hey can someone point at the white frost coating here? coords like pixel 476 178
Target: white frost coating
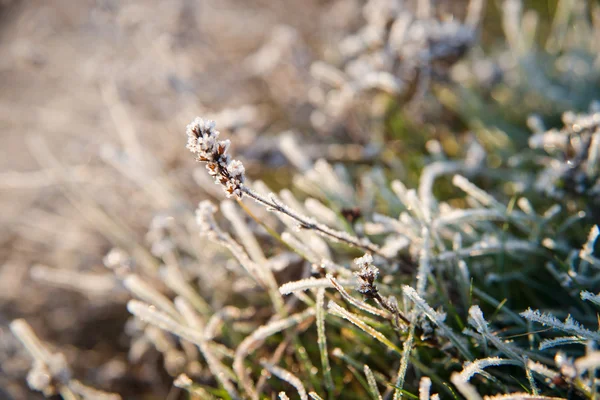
pixel 542 369
pixel 321 211
pixel 297 245
pixel 229 210
pixel 478 194
pixel 588 296
pixel 424 388
pixel 525 205
pixel 428 177
pixel 256 338
pixel 364 261
pixel 342 312
pixel 588 248
pixel 188 313
pixel 55 364
pixel 561 341
pixel 322 339
pixel 89 284
pixel 208 226
pixel 203 142
pixel 413 296
pixel 311 283
pixel 569 325
pixel 372 382
pixel 288 377
pixel 357 303
pixel 534 389
pixel 477 366
pixel 174 279
pixel 90 393
pixel 150 295
pixel 471 215
pixel 588 362
pixel 273 204
pixel 552 212
pixel 477 321
pixel 157 318
pixel 593 162
pixel 394 244
pixel 293 152
pixel 407 348
pixel 487 246
pixel 401 192
pixel 383 81
pixel 465 388
pixel 424 262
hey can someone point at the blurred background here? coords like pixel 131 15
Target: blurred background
pixel 94 100
pixel 80 79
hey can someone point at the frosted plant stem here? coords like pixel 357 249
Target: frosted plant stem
pixel 465 388
pixel 357 303
pixel 532 385
pixel 407 350
pixel 372 383
pixel 335 309
pixel 308 223
pixel 243 231
pixel 422 274
pixel 424 388
pixel 163 321
pixel 150 295
pixel 288 377
pixel 311 283
pixel 54 365
pixel 322 340
pixel 175 280
pixel 259 272
pixel 250 343
pixel 569 325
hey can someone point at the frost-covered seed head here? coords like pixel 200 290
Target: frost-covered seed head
pixel 367 275
pixel 202 137
pixel 202 141
pixel 236 169
pixel 364 261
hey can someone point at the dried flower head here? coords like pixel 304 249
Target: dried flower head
pixel 203 141
pixel 367 275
